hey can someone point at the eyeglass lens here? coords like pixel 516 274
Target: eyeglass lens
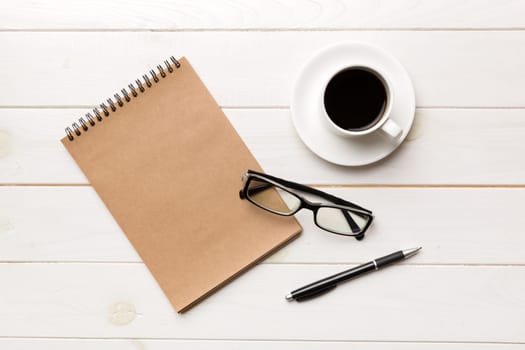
pixel 272 198
pixel 341 221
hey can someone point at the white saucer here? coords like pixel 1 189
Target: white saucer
pixel 307 109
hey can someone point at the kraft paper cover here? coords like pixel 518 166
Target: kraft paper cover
pixel 168 166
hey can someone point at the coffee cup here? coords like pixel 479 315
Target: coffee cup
pixel 357 101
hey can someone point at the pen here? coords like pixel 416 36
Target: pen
pixel 327 284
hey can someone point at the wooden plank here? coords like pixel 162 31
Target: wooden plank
pixel 433 303
pixel 222 14
pixel 454 68
pixel 164 344
pixel 445 147
pixel 455 226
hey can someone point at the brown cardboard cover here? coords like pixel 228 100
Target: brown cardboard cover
pixel 168 166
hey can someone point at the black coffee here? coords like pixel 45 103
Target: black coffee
pixel 355 99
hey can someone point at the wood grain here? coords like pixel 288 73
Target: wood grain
pixel 450 147
pixel 257 69
pixel 454 226
pixel 404 303
pixel 259 14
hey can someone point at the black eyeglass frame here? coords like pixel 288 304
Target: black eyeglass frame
pixel 287 186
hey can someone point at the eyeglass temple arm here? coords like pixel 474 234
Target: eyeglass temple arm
pixel 255 190
pixel 311 190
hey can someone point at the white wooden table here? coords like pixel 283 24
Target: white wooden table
pixel 69 279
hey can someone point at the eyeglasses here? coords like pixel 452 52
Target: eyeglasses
pixel 278 196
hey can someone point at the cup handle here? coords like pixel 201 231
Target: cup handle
pixel 392 129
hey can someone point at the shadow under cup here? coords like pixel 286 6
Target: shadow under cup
pixel 356 99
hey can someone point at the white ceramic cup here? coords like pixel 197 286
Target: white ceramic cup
pixel 383 124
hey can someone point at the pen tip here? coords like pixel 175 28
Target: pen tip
pixel 289 297
pixel 410 252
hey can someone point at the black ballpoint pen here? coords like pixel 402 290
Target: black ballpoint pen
pixel 326 284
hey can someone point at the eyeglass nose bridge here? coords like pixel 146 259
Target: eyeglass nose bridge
pixel 313 206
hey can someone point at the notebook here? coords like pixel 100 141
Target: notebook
pixel 168 164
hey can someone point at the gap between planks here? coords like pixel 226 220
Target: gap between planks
pixel 453 186
pixel 265 340
pixel 293 29
pixel 349 263
pixel 89 107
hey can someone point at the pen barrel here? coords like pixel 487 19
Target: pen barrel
pixel 389 259
pixel 355 272
pixel 311 293
pixel 321 285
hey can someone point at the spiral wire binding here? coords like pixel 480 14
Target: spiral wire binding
pixel 90 120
